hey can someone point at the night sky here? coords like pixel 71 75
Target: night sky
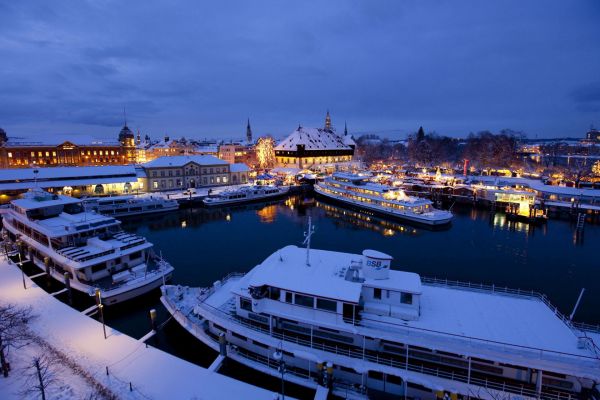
pixel 67 68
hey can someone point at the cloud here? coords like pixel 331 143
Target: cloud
pixel 201 68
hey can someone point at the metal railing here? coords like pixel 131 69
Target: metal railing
pixel 390 361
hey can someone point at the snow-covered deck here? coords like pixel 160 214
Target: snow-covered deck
pixel 153 374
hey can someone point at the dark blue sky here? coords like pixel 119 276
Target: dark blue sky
pixel 67 68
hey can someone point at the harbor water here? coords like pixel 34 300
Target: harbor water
pixel 480 246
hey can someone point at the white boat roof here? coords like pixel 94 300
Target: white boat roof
pixel 325 277
pixel 59 225
pixel 43 200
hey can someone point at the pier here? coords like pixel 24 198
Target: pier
pixel 121 364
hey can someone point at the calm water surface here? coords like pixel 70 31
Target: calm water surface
pixel 204 245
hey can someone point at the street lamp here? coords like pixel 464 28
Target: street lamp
pixel 278 357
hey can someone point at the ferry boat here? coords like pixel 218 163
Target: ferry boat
pixel 245 194
pixel 350 323
pixel 62 238
pixel 124 206
pixel 356 190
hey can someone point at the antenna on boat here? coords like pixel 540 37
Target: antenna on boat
pixel 308 234
pixel 576 304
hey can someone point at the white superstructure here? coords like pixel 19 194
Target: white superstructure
pixel 245 194
pixel 125 206
pixel 373 329
pixel 60 237
pixel 357 191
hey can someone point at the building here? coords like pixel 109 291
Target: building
pixel 190 171
pixel 176 147
pixel 315 148
pixel 593 136
pixel 74 181
pixel 21 154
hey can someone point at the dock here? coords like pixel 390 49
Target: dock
pixel 123 365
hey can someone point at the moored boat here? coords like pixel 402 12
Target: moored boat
pixel 349 322
pixel 245 194
pixel 125 206
pixel 65 240
pixel 357 191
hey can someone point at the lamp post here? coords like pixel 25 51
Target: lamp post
pixel 100 306
pixel 278 357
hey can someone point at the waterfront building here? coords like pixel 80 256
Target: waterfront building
pixel 74 181
pixel 592 136
pixel 190 171
pixel 22 154
pixel 315 148
pixel 177 147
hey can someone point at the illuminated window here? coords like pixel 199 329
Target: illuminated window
pixel 112 152
pixel 101 152
pixel 39 153
pixel 33 154
pixel 47 154
pixel 53 154
pixel 9 154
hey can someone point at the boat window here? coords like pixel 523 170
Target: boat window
pixel 135 255
pixel 274 293
pixel 406 298
pixel 393 379
pixel 98 267
pixel 377 293
pixel 289 297
pixel 328 305
pixel 305 301
pixel 245 304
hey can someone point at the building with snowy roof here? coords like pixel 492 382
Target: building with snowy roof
pixel 77 181
pixel 191 171
pixel 315 148
pixel 53 152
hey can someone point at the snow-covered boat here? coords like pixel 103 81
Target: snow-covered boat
pixel 349 322
pixel 356 190
pixel 124 206
pixel 61 237
pixel 245 194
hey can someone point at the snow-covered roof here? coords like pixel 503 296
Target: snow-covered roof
pixel 348 140
pixel 325 277
pixel 313 139
pixel 180 161
pixel 238 167
pixel 24 174
pixel 43 200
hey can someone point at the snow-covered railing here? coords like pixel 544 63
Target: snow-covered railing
pixel 389 360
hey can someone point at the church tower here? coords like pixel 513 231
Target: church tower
pixel 248 132
pixel 327 121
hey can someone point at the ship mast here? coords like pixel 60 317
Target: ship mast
pixel 308 234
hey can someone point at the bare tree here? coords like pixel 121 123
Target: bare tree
pixel 13 331
pixel 38 376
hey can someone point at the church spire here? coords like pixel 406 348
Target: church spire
pixel 345 128
pixel 248 132
pixel 328 121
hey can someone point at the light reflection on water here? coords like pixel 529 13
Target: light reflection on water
pixel 205 244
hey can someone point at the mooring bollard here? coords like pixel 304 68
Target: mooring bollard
pixel 47 267
pixel 101 309
pixel 222 345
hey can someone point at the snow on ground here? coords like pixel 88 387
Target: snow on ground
pixel 153 374
pixel 68 384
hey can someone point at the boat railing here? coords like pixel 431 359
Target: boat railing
pixel 480 287
pixel 390 361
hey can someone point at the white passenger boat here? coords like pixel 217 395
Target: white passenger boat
pixel 356 190
pixel 349 322
pixel 245 194
pixel 125 206
pixel 60 237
